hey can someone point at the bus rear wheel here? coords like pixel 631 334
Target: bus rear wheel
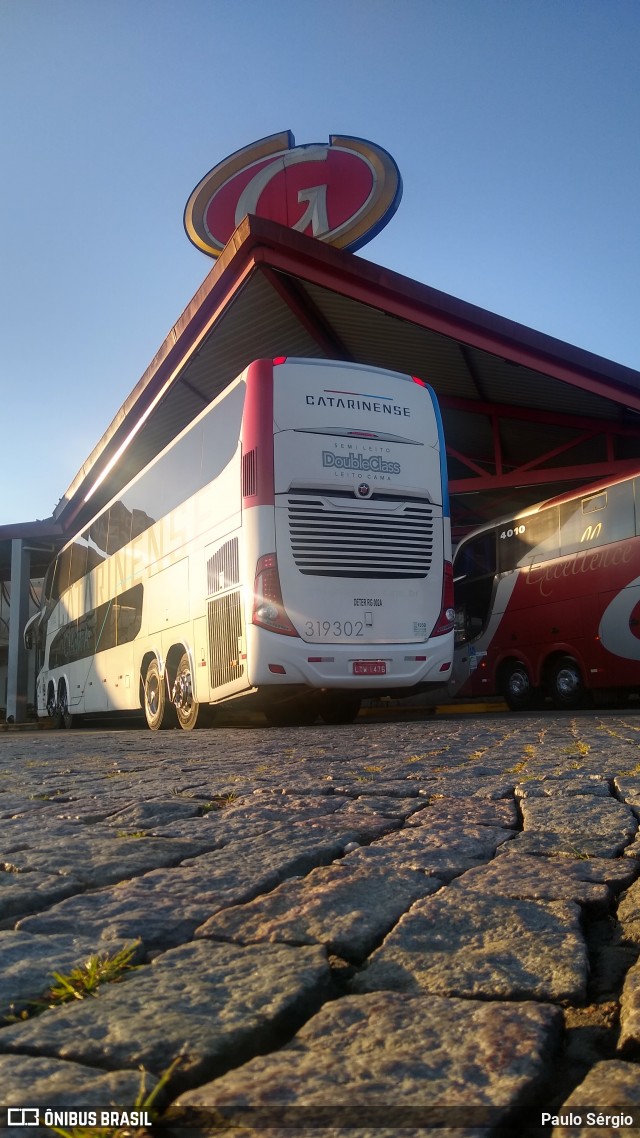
pixel 337 707
pixel 190 713
pixel 157 709
pixel 517 689
pixel 566 685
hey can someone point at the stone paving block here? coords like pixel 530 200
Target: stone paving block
pixel 332 827
pixel 576 825
pixel 443 850
pixel 633 849
pixel 561 844
pixel 564 786
pixel 477 812
pixel 393 805
pixel 27 964
pixel 22 893
pixel 591 882
pixel 629 915
pixel 215 1005
pixel 145 815
pixel 278 808
pixel 95 860
pixel 618 873
pixel 390 1061
pixel 611 1087
pixel 25 831
pixel 628 788
pixel 492 947
pixel 629 1039
pixel 348 907
pixel 15 804
pixel 475 784
pixel 163 908
pixel 45 1082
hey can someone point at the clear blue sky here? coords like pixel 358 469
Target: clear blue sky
pixel 515 124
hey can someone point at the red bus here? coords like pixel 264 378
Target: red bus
pixel 548 601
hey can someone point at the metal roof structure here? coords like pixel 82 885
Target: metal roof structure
pixel 525 415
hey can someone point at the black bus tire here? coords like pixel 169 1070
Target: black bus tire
pixel 189 712
pixel 566 685
pixel 157 709
pixel 517 689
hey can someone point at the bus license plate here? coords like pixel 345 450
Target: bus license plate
pixel 369 668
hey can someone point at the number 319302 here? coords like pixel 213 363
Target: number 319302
pixel 347 628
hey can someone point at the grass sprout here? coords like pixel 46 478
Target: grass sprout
pixel 80 982
pixel 144 1102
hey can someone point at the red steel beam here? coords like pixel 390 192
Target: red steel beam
pixel 585 472
pixel 306 312
pixel 583 438
pixel 532 415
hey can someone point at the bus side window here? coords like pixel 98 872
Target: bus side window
pixel 528 539
pixel 477 558
pixel 63 570
pixel 47 588
pixel 598 519
pixel 78 560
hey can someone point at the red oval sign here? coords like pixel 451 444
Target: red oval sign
pixel 343 193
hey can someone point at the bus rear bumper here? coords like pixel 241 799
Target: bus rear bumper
pixel 281 660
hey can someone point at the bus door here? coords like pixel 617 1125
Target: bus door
pixel 474 583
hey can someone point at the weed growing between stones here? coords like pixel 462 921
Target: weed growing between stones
pixel 577 748
pixel 83 981
pixel 517 767
pixel 143 1103
pixel 218 802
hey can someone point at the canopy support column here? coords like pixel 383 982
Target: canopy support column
pixel 17 677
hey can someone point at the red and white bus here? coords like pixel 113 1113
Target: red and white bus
pixel 548 601
pixel 292 544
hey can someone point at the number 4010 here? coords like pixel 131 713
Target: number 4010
pixel 512 532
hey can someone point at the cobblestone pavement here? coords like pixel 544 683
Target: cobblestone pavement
pixel 392 925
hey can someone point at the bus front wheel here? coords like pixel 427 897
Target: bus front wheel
pixel 62 717
pixel 517 689
pixel 157 709
pixel 566 685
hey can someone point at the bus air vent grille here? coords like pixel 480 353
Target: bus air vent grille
pixel 330 542
pixel 249 474
pixel 225 638
pixel 223 570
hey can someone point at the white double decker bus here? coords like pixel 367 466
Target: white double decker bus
pixel 291 545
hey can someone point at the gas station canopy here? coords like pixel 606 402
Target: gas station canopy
pixel 525 416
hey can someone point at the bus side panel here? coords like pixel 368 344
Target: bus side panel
pixel 619 634
pixel 584 605
pixel 568 599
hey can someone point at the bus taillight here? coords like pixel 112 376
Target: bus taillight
pixel 447 612
pixel 268 609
